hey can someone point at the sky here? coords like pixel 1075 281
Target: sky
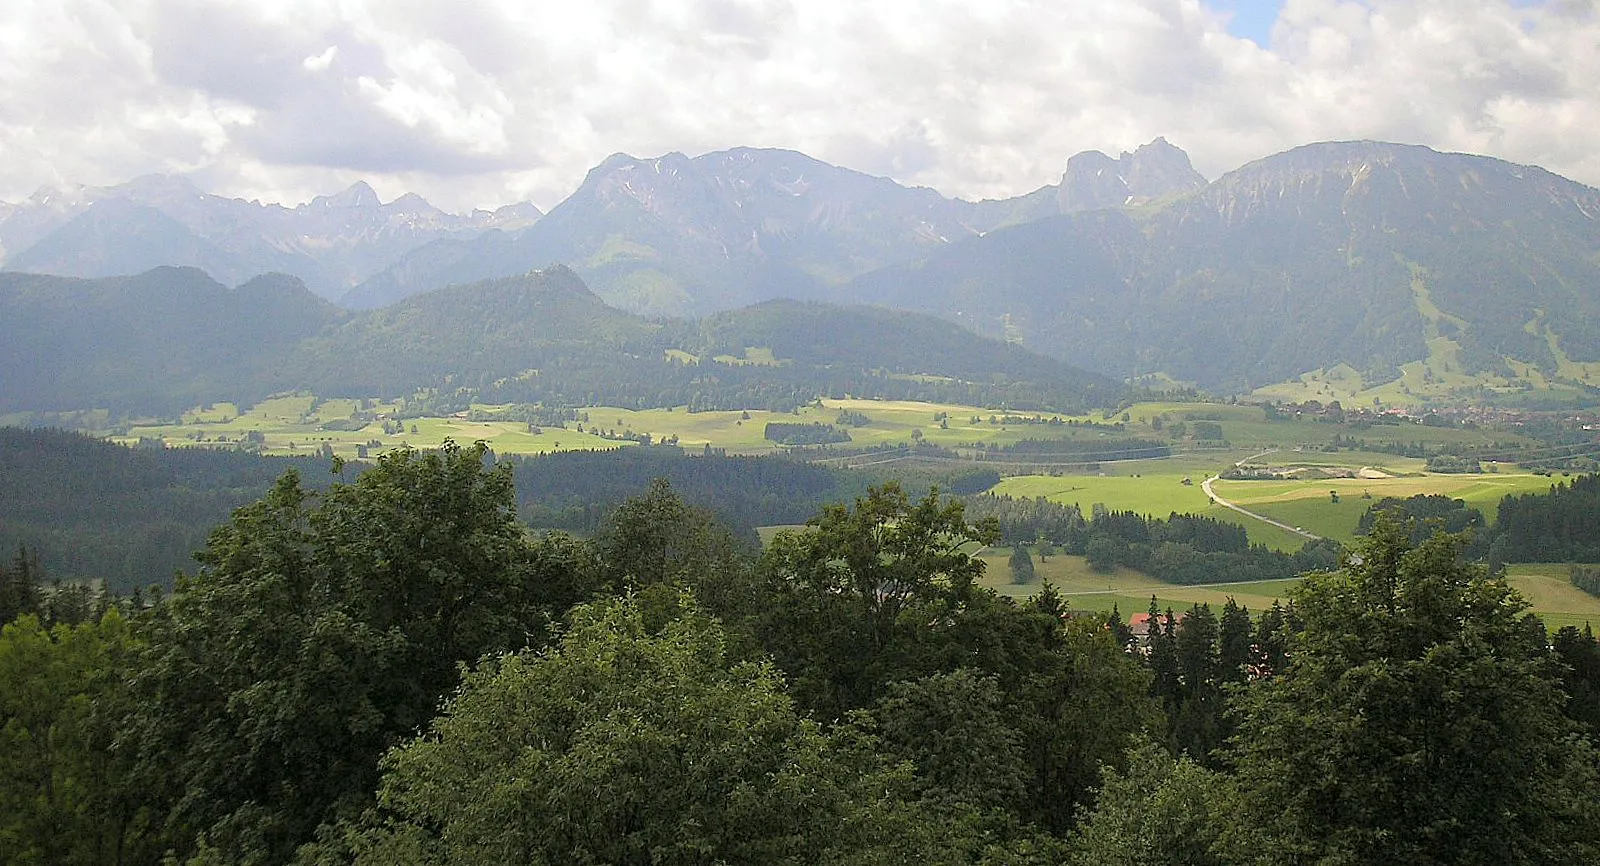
pixel 479 103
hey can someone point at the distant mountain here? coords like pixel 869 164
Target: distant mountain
pixel 1094 181
pixel 161 341
pixel 174 338
pixel 1365 253
pixel 329 243
pixel 664 236
pixel 681 236
pixel 677 236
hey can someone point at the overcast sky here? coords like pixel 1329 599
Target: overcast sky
pixel 486 103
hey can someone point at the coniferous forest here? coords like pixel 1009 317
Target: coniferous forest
pixel 393 669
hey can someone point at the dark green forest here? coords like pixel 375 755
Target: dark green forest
pixel 393 669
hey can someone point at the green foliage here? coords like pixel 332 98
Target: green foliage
pixel 1423 515
pixel 1161 812
pixel 19 587
pixel 656 540
pixel 1188 549
pixel 1419 719
pixel 321 628
pixel 63 793
pixel 1450 463
pixel 172 338
pixel 954 728
pixel 1558 527
pixel 92 510
pixel 158 342
pixel 1021 563
pixel 848 418
pixel 576 490
pixel 814 433
pixel 1579 653
pixel 845 584
pixel 1586 578
pixel 632 743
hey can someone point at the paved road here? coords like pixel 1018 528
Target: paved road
pixel 1206 486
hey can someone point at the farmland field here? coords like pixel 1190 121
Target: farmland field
pixel 1309 504
pixel 1550 594
pixel 289 423
pixel 1128 590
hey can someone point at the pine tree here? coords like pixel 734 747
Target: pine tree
pixel 1021 565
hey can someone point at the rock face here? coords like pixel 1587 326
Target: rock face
pixel 1154 171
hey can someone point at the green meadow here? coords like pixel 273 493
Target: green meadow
pixel 1310 504
pixel 1546 587
pixel 289 423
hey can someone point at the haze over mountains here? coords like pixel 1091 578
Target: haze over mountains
pixel 1361 253
pixel 330 243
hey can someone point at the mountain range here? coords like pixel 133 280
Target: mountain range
pixel 1366 254
pixel 330 243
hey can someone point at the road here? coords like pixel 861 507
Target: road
pixel 1212 494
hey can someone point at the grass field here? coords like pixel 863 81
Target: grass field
pixel 1546 587
pixel 1129 591
pixel 1309 504
pixel 290 423
pixel 1157 492
pixel 1550 594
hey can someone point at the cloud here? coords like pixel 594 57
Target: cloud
pixel 480 103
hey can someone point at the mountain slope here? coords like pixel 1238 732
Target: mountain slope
pixel 544 337
pixel 469 336
pixel 1357 252
pixel 164 340
pixel 676 235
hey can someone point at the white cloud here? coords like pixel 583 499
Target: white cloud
pixel 479 103
pixel 321 62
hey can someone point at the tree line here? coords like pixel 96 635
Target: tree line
pixel 1182 549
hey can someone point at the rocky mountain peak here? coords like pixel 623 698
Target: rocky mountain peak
pixel 1158 169
pixel 1152 171
pixel 358 195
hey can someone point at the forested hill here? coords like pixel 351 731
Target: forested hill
pixel 167 338
pixel 1354 252
pixel 172 338
pixel 540 325
pixel 545 337
pixel 830 335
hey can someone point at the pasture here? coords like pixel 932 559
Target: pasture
pixel 290 423
pixel 1129 591
pixel 1546 587
pixel 1309 503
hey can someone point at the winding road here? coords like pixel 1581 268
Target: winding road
pixel 1212 494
